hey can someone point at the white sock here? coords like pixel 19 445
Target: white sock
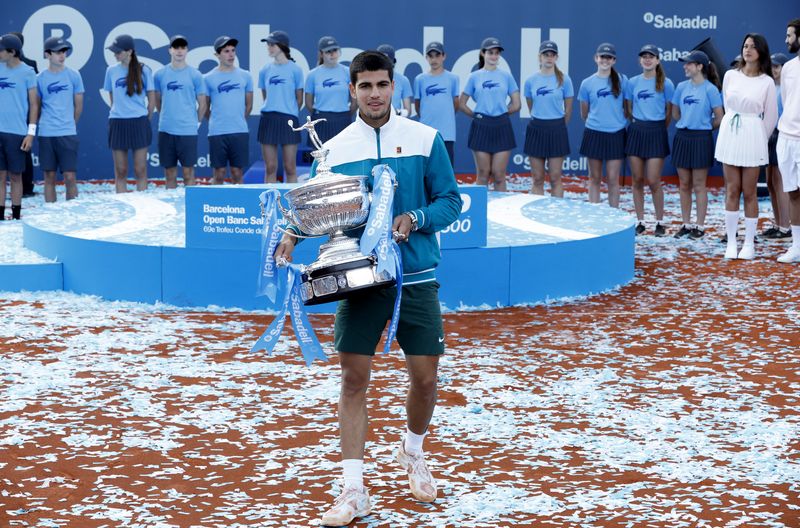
pixel 731 224
pixel 413 443
pixel 353 470
pixel 750 230
pixel 796 237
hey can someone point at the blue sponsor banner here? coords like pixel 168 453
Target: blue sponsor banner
pixel 229 217
pixel 577 26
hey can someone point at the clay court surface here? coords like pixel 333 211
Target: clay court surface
pixel 673 401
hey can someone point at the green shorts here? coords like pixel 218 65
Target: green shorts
pixel 361 319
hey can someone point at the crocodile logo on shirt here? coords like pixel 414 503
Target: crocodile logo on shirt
pixel 327 83
pixel 603 92
pixel 644 95
pixel 6 84
pixel 55 87
pixel 690 100
pixel 122 82
pixel 275 79
pixel 435 89
pixel 488 85
pixel 227 86
pixel 544 90
pixel 173 86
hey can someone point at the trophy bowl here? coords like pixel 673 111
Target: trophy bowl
pixel 327 205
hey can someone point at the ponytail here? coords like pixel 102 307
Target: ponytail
pixel 616 89
pixel 134 79
pixel 660 77
pixel 287 52
pixel 480 60
pixel 559 76
pixel 711 74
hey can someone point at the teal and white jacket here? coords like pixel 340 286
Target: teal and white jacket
pixel 425 182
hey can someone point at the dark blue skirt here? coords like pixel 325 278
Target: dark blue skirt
pixel 334 123
pixel 647 139
pixel 771 144
pixel 274 129
pixel 491 134
pixel 603 145
pixel 546 138
pixel 129 134
pixel 693 149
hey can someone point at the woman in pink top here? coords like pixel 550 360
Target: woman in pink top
pixel 751 112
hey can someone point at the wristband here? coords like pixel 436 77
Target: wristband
pixel 32 129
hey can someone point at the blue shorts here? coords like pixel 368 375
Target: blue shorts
pixel 58 152
pixel 12 159
pixel 229 149
pixel 172 149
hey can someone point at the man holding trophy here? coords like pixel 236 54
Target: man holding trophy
pixel 426 200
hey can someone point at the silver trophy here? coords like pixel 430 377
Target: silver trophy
pixel 330 204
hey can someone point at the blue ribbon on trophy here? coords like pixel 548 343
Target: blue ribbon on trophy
pixel 306 338
pixel 270 237
pixel 377 237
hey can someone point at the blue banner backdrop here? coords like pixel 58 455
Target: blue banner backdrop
pixel 578 26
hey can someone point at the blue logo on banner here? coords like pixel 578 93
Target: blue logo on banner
pixel 690 100
pixel 227 86
pixel 544 90
pixel 174 85
pixel 435 89
pixel 54 87
pixel 644 95
pixel 270 236
pixel 327 83
pixel 276 79
pixel 488 85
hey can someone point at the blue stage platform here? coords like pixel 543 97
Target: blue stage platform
pixel 201 248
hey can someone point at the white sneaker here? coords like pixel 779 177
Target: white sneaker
pixel 748 252
pixel 352 503
pixel 793 255
pixel 731 251
pixel 420 480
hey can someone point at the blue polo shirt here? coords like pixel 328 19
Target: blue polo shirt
pixel 606 112
pixel 281 82
pixel 547 96
pixel 648 104
pixel 435 94
pixel 330 88
pixel 57 93
pixel 696 103
pixel 14 85
pixel 490 90
pixel 124 106
pixel 179 89
pixel 226 92
pixel 402 90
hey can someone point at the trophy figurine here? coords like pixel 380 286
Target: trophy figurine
pixel 330 204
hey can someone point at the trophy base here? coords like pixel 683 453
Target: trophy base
pixel 338 281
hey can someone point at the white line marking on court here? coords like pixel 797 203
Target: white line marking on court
pixel 148 213
pixel 507 211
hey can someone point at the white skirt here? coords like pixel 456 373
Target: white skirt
pixel 741 141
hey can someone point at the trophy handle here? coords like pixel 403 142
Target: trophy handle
pixel 292 233
pixel 285 212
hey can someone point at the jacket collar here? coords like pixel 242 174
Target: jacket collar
pixel 387 127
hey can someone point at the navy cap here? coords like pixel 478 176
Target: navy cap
pixel 223 41
pixel 736 61
pixel 387 50
pixel 696 56
pixel 122 43
pixel 10 41
pixel 327 44
pixel 491 42
pixel 178 41
pixel 56 44
pixel 652 49
pixel 434 46
pixel 779 59
pixel 548 45
pixel 606 49
pixel 277 37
